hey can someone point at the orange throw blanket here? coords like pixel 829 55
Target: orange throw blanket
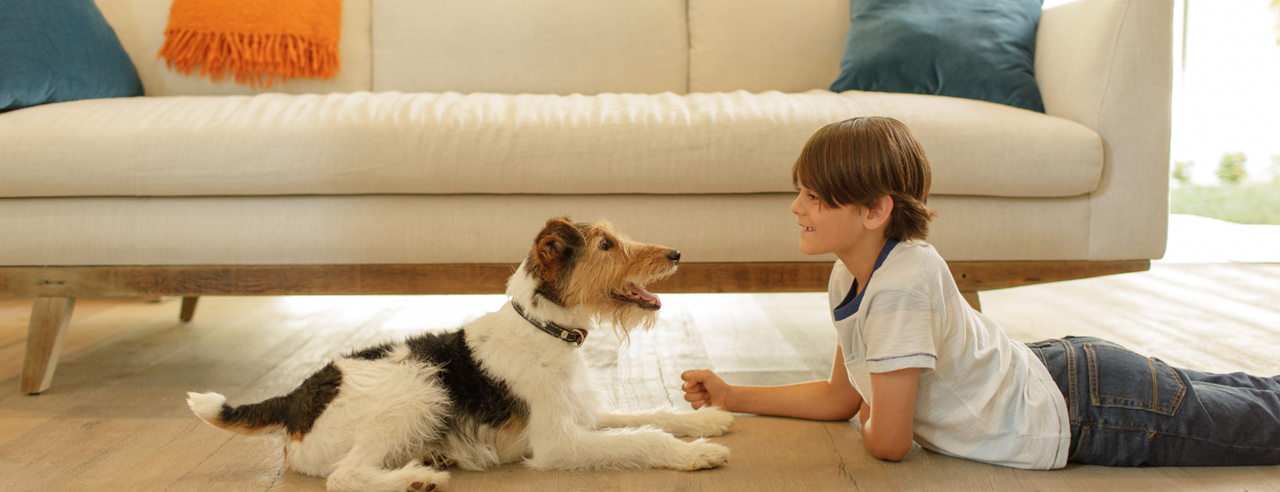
pixel 254 40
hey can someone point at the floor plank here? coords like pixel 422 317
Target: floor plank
pixel 116 416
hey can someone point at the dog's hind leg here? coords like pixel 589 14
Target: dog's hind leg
pixel 388 411
pixel 362 470
pixel 705 422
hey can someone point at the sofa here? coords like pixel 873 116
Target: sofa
pixel 456 129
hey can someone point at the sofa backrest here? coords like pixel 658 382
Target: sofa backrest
pixel 760 45
pixel 541 46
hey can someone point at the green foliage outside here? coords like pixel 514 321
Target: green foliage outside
pixel 1235 200
pixel 1231 168
pixel 1275 8
pixel 1246 203
pixel 1182 171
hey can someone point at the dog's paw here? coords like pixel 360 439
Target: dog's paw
pixel 413 477
pixel 419 478
pixel 704 422
pixel 702 454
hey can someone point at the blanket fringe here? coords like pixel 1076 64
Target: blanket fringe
pixel 255 59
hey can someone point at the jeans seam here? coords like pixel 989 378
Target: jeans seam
pixel 1093 377
pixel 1073 412
pixel 1155 385
pixel 1182 386
pixel 1151 433
pixel 1084 437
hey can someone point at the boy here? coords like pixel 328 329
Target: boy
pixel 915 362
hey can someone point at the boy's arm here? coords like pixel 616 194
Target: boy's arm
pixel 887 427
pixel 833 399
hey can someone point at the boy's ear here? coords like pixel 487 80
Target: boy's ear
pixel 878 215
pixel 556 243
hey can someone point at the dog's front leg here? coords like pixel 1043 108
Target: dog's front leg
pixel 556 445
pixel 705 422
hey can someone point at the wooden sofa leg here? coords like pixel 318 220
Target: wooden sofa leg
pixel 188 308
pixel 972 297
pixel 50 317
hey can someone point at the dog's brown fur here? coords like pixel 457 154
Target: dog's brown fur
pixel 596 266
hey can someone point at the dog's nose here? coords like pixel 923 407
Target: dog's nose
pixel 674 255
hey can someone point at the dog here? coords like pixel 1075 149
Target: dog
pixel 508 386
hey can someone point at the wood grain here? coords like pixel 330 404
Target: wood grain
pixel 117 418
pixel 191 281
pixel 50 317
pixel 188 308
pixel 972 298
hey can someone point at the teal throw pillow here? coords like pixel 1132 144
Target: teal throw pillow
pixel 975 49
pixel 60 50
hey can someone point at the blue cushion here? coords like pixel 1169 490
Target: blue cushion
pixel 976 49
pixel 60 50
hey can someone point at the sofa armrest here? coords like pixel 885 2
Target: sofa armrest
pixel 1108 65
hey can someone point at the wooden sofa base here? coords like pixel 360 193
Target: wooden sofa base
pixel 56 288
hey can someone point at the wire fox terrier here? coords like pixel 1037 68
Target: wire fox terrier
pixel 505 387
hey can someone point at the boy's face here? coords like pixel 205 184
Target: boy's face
pixel 828 230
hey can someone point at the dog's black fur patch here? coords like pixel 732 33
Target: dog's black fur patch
pixel 476 397
pixel 474 393
pixel 296 411
pixel 372 353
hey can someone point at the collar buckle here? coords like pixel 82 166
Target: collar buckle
pixel 572 336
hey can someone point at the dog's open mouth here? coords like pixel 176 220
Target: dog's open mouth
pixel 640 297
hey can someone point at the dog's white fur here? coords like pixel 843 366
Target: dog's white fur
pixel 377 431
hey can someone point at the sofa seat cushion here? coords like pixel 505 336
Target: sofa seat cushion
pixel 391 229
pixel 450 143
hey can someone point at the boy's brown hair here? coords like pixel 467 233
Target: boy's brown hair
pixel 858 160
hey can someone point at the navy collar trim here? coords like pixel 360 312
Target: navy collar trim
pixel 849 306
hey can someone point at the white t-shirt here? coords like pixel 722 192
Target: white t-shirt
pixel 981 396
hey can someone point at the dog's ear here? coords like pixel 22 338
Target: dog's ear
pixel 557 243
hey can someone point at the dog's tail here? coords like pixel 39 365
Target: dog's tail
pixel 267 417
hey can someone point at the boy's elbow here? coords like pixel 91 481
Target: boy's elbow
pixel 896 451
pixel 894 455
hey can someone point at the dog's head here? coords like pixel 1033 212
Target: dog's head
pixel 593 269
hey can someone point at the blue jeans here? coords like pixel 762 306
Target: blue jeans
pixel 1131 410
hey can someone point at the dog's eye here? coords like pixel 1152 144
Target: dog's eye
pixel 605 244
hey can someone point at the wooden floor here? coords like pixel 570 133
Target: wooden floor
pixel 115 418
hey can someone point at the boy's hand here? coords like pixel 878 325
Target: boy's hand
pixel 702 387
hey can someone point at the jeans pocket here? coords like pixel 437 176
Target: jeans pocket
pixel 1120 378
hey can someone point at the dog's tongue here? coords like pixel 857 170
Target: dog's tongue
pixel 648 297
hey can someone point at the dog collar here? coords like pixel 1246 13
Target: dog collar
pixel 574 336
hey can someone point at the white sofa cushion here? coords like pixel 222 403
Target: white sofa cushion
pixel 543 47
pixel 365 143
pixel 301 230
